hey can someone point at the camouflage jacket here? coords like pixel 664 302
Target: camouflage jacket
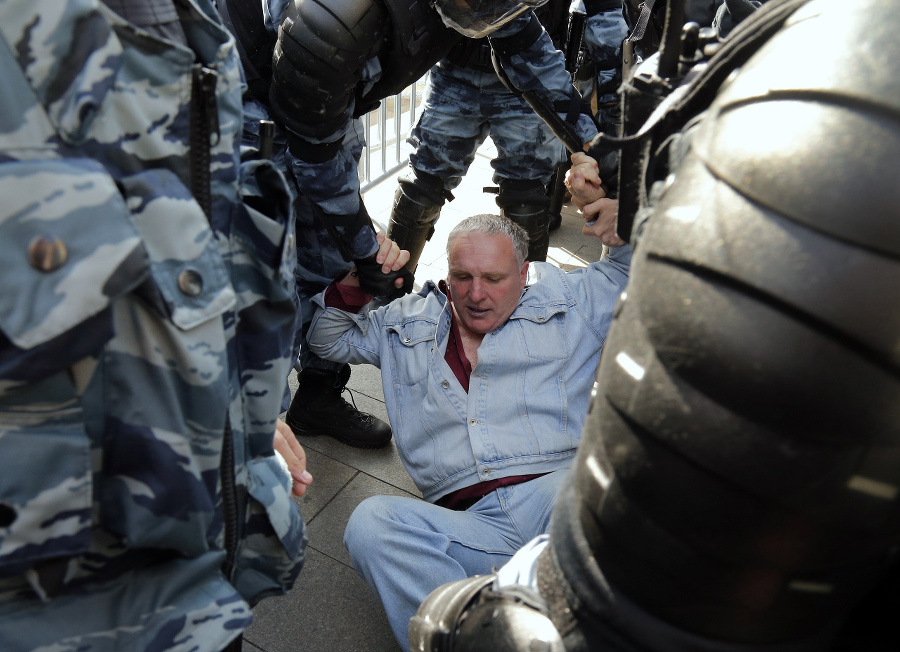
pixel 146 317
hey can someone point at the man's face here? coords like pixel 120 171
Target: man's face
pixel 485 280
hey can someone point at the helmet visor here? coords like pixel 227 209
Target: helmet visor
pixel 478 18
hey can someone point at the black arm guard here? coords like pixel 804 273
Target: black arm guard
pixel 321 51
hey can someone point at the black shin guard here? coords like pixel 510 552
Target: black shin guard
pixel 417 205
pixel 527 204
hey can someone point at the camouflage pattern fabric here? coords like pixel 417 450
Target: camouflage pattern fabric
pixel 318 260
pixel 462 107
pixel 603 36
pixel 604 33
pixel 132 323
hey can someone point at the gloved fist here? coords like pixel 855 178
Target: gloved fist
pixel 384 273
pixel 376 282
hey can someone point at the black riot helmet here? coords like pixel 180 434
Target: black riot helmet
pixel 478 18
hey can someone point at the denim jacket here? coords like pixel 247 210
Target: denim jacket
pixel 528 394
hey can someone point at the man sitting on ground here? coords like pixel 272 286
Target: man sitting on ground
pixel 486 380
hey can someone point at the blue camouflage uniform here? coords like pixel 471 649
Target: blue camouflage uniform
pixel 146 316
pixel 604 31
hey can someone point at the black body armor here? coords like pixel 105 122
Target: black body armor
pixel 419 39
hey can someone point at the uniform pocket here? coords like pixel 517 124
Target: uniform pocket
pixel 263 262
pixel 68 248
pixel 45 504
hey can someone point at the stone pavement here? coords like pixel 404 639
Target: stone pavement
pixel 331 609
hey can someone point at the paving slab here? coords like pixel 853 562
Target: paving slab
pixel 326 531
pixel 329 477
pixel 330 609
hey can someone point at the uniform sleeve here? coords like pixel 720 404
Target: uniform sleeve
pixel 333 185
pixel 320 60
pixel 538 66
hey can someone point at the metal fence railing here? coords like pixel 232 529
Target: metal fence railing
pixel 386 129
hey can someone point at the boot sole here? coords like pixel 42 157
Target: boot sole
pixel 306 432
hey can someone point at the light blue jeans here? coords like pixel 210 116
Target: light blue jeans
pixel 405 548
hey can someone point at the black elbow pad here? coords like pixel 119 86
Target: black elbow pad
pixel 321 50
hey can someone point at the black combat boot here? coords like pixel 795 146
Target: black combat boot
pixel 318 408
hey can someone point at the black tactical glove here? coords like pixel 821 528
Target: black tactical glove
pixel 375 282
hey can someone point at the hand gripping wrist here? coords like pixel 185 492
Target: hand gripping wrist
pixel 375 282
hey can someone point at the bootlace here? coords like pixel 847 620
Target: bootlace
pixel 352 410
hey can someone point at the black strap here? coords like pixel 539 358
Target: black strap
pixel 471 53
pixel 640 27
pixel 312 152
pixel 519 41
pixel 594 7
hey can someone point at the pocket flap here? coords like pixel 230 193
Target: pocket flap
pixel 188 271
pixel 67 247
pixel 414 331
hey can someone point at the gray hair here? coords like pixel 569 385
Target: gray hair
pixel 488 224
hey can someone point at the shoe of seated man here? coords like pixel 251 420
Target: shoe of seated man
pixel 318 408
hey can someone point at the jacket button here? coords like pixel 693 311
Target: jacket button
pixel 445 384
pixel 190 282
pixel 541 318
pixel 47 255
pixel 473 422
pixel 407 339
pixel 7 515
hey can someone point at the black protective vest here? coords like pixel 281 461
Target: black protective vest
pixel 418 40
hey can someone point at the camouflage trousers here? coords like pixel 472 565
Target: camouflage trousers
pixel 603 36
pixel 464 106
